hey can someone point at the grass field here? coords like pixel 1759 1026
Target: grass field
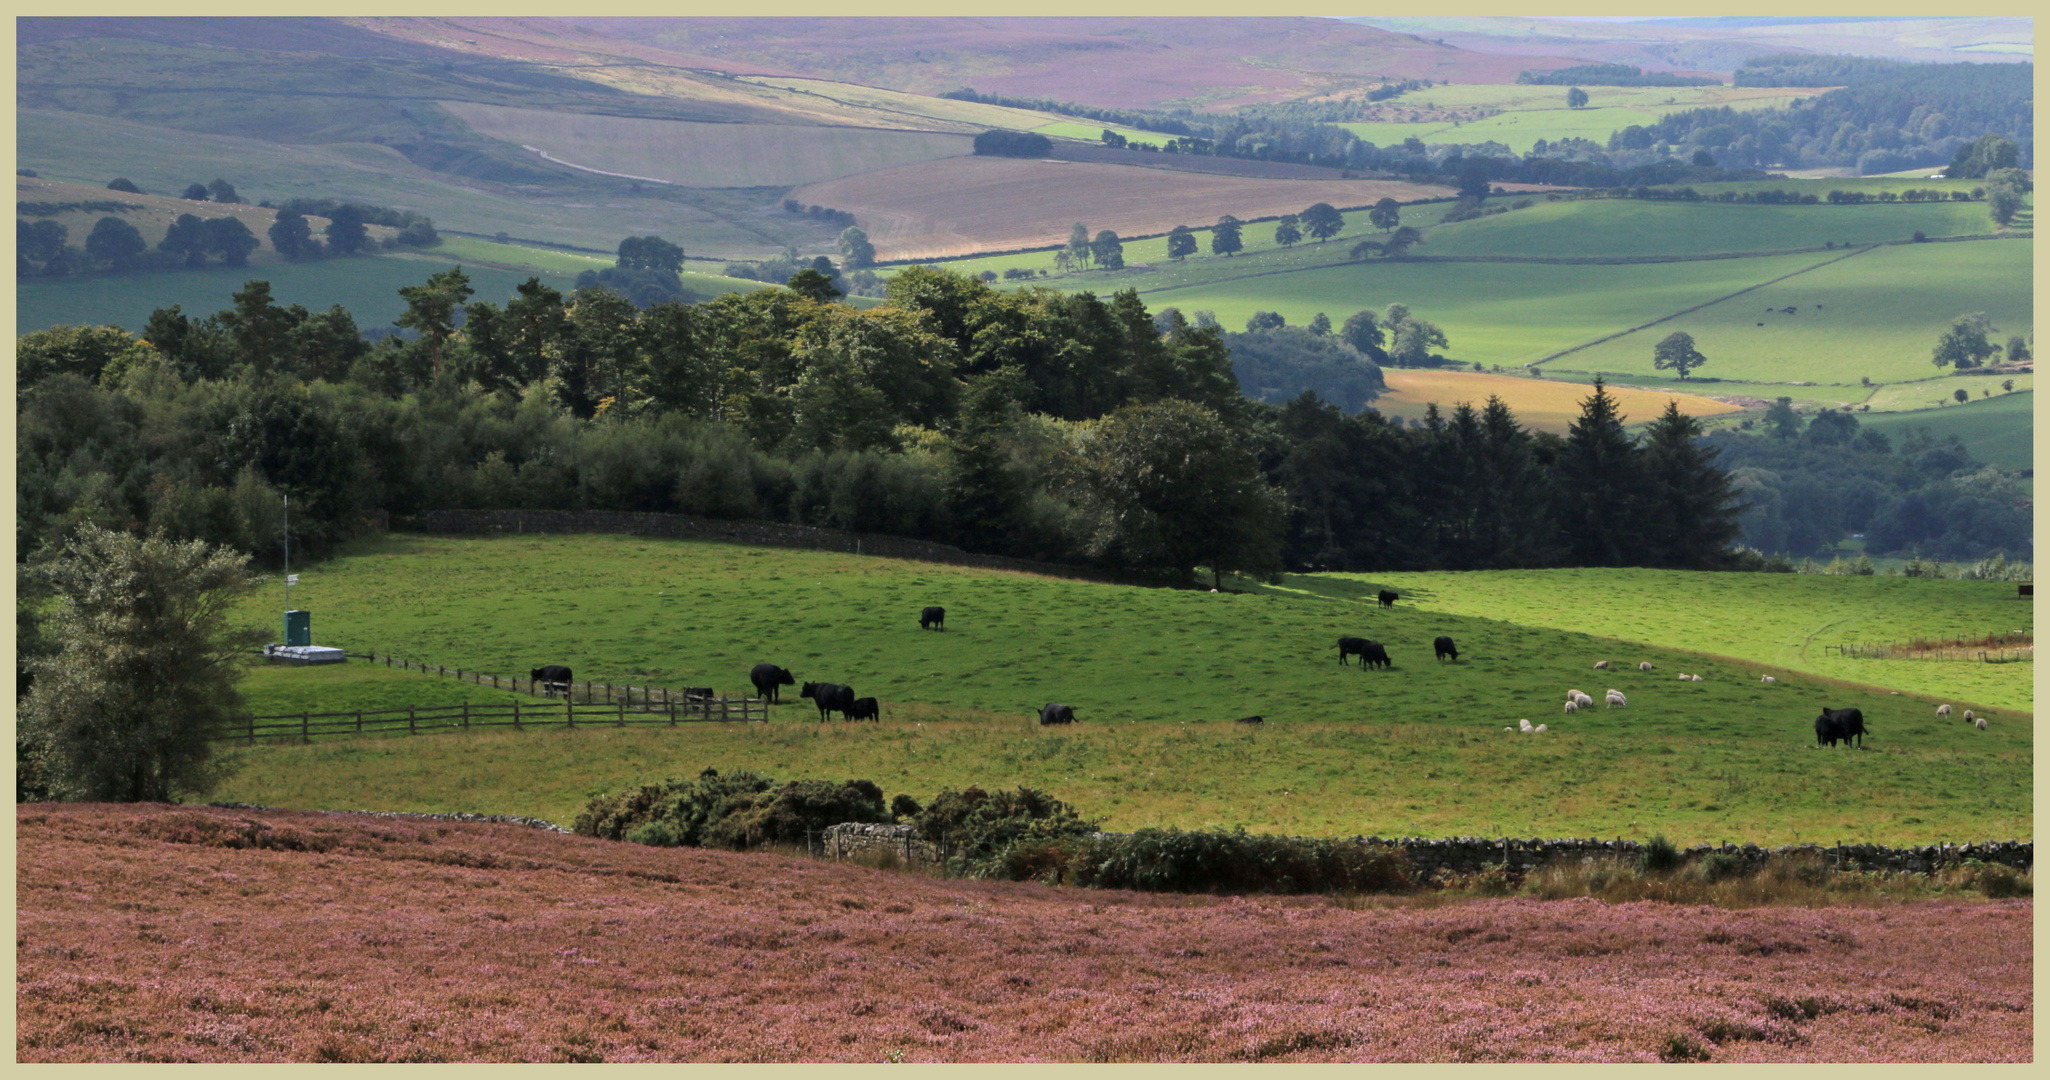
pixel 707 155
pixel 581 209
pixel 1641 227
pixel 2000 430
pixel 1937 393
pixel 1871 322
pixel 1495 313
pixel 1783 620
pixel 1155 675
pixel 963 205
pixel 368 286
pixel 1531 112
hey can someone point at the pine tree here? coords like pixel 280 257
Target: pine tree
pixel 1600 512
pixel 1692 517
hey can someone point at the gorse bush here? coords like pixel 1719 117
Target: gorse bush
pixel 1170 860
pixel 738 811
pixel 1659 855
pixel 978 829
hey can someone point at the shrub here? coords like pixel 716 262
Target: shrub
pixel 1171 860
pixel 1681 1048
pixel 1720 866
pixel 978 828
pixel 1659 855
pixel 904 806
pixel 738 811
pixel 789 814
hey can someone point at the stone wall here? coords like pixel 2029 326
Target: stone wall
pixel 754 533
pixel 854 838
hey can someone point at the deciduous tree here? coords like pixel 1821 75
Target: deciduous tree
pixel 1965 345
pixel 1386 214
pixel 1224 236
pixel 1322 221
pixel 1181 243
pixel 1677 353
pixel 1576 98
pixel 1288 233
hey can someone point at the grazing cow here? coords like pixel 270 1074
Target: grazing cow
pixel 1375 656
pixel 932 617
pixel 1388 597
pixel 1601 665
pixel 1250 720
pixel 553 679
pixel 829 697
pixel 1352 646
pixel 1444 648
pixel 697 693
pixel 1839 724
pixel 865 709
pixel 1617 700
pixel 1052 713
pixel 1943 712
pixel 767 678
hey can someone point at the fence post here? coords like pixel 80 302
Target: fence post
pixel 672 712
pixel 516 714
pixel 622 714
pixel 411 727
pixel 569 709
pixel 359 721
pixel 305 721
pixel 466 716
pixel 252 731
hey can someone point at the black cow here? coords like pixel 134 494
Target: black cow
pixel 1444 648
pixel 830 697
pixel 931 617
pixel 1375 656
pixel 1352 646
pixel 1388 598
pixel 1056 714
pixel 553 678
pixel 767 678
pixel 865 709
pixel 1844 724
pixel 1250 720
pixel 697 693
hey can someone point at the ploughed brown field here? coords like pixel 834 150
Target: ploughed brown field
pixel 161 933
pixel 958 206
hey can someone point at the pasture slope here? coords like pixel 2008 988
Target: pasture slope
pixel 1999 430
pixel 366 939
pixel 1156 676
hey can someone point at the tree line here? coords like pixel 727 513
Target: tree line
pixel 1030 422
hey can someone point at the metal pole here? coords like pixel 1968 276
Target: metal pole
pixel 288 565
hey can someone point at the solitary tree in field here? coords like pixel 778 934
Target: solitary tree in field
pixel 1181 243
pixel 1965 344
pixel 1677 353
pixel 1224 236
pixel 1961 394
pixel 1323 221
pixel 122 183
pixel 1386 214
pixel 1576 98
pixel 146 669
pixel 1287 233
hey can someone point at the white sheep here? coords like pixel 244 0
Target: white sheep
pixel 1572 707
pixel 1968 716
pixel 1524 724
pixel 1616 698
pixel 1767 679
pixel 1508 729
pixel 1980 723
pixel 1942 712
pixel 1695 678
pixel 1644 666
pixel 1684 677
pixel 1540 728
pixel 1601 665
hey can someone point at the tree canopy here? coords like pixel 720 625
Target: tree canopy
pixel 1676 352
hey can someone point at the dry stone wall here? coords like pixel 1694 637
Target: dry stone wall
pixel 857 838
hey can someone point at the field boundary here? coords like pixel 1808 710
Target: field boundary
pixel 754 534
pixel 1698 307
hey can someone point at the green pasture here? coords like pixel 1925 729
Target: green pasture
pixel 1641 227
pixel 1758 620
pixel 1882 312
pixel 1530 113
pixel 278 690
pixel 1519 130
pixel 1495 313
pixel 1156 677
pixel 368 286
pixel 1939 392
pixel 1091 132
pixel 2000 430
pixel 1656 100
pixel 1820 187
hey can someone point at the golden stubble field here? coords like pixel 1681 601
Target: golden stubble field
pixel 1544 404
pixel 957 206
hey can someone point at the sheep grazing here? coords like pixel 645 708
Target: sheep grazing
pixel 1980 723
pixel 1767 679
pixel 1695 678
pixel 1524 724
pixel 1601 665
pixel 1644 666
pixel 1968 716
pixel 1616 699
pixel 1583 700
pixel 1539 729
pixel 1943 712
pixel 1575 694
pixel 1684 677
pixel 1572 707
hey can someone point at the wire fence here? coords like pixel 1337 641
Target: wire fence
pixel 1992 650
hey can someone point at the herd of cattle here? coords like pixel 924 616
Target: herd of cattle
pixel 1832 727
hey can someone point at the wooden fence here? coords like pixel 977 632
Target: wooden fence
pixel 564 712
pixel 583 693
pixel 1987 654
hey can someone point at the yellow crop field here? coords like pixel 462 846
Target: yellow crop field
pixel 706 155
pixel 968 204
pixel 150 214
pixel 1545 404
pixel 893 108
